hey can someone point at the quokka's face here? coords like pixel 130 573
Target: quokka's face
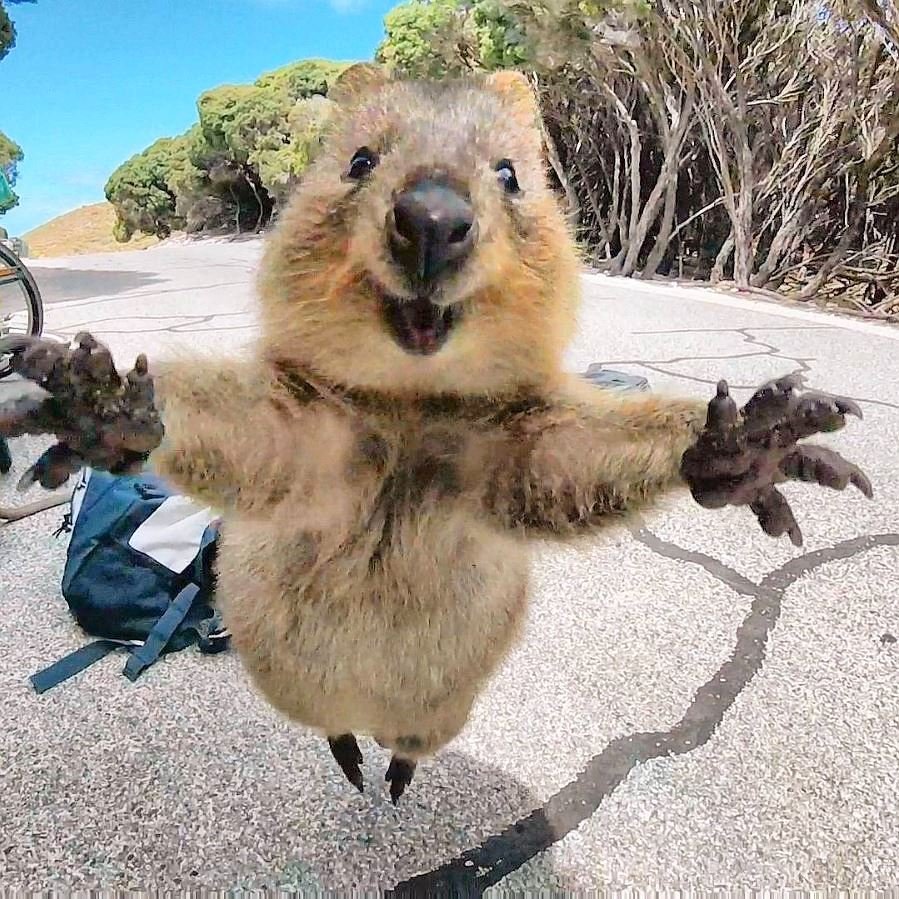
pixel 424 250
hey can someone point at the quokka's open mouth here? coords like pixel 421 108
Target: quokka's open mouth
pixel 420 326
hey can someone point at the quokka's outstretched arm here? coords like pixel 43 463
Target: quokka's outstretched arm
pixel 586 460
pixel 219 430
pixel 590 458
pixel 227 438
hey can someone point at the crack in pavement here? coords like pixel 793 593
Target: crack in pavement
pixel 118 298
pixel 716 568
pixel 769 349
pixel 475 870
pixel 752 328
pixel 185 326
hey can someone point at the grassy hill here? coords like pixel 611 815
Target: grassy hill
pixel 87 229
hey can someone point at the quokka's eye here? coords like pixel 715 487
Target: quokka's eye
pixel 361 165
pixel 507 178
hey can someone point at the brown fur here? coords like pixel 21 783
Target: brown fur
pixel 379 505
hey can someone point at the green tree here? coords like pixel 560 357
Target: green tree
pixel 426 39
pixel 501 39
pixel 433 38
pixel 141 190
pixel 303 79
pixel 10 152
pixel 7 32
pixel 237 124
pixel 281 162
pixel 236 165
pixel 10 157
pixel 7 28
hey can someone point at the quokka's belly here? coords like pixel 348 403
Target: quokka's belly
pixel 371 645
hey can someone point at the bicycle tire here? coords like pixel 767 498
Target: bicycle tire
pixel 33 301
pixel 5 457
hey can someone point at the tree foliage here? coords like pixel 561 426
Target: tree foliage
pixel 425 38
pixel 7 28
pixel 10 156
pixel 7 32
pixel 142 190
pixel 10 152
pixel 236 164
pixel 434 38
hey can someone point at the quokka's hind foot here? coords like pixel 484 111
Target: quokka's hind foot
pixel 399 776
pixel 348 755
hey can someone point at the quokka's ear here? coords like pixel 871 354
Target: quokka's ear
pixel 353 84
pixel 517 93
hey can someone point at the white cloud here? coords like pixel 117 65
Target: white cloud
pixel 343 7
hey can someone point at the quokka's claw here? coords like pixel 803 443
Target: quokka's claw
pixel 399 776
pixel 740 462
pixel 98 419
pixel 824 466
pixel 775 515
pixel 54 467
pixel 347 754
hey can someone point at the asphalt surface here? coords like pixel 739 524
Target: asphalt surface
pixel 694 705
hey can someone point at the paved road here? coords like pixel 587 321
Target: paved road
pixel 693 705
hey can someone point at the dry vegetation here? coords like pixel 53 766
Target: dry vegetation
pixel 752 142
pixel 87 229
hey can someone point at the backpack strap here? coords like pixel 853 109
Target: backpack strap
pixel 163 631
pixel 212 635
pixel 141 656
pixel 70 665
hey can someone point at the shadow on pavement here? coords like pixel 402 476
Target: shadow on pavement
pixel 218 771
pixel 60 284
pixel 188 777
pixel 456 803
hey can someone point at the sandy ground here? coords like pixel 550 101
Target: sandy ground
pixel 693 705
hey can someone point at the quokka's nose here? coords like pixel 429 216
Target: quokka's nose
pixel 431 228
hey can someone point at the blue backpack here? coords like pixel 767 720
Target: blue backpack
pixel 139 573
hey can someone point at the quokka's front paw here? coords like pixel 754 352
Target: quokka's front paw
pixel 742 454
pixel 98 417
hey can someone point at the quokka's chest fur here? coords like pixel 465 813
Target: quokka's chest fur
pixel 410 481
pixel 365 479
pixel 380 518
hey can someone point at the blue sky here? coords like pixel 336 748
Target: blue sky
pixel 91 82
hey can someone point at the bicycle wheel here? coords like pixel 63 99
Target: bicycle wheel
pixel 21 308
